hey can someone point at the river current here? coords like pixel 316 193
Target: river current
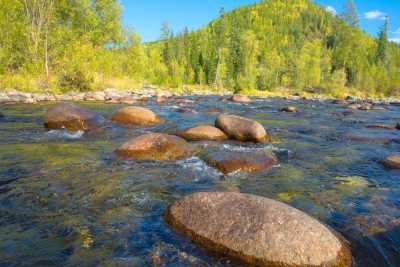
pixel 67 200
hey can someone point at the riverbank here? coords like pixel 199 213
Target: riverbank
pixel 112 95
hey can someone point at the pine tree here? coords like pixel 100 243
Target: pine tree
pixel 349 14
pixel 381 50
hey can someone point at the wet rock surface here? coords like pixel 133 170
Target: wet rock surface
pixel 244 161
pixel 289 109
pixel 203 132
pixel 72 117
pixel 256 230
pixel 241 129
pixel 155 146
pixel 135 116
pixel 240 99
pixel 392 162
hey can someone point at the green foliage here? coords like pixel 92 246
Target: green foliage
pixel 274 44
pixel 381 51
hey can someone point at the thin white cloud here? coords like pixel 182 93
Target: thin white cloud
pixel 396 40
pixel 375 14
pixel 331 10
pixel 396 36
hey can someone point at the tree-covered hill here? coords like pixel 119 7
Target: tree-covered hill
pixel 278 43
pixel 273 45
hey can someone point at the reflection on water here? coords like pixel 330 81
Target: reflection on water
pixel 66 200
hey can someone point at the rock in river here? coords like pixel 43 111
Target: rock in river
pixel 240 99
pixel 135 116
pixel 155 146
pixel 231 161
pixel 241 129
pixel 289 109
pixel 203 132
pixel 257 231
pixel 392 162
pixel 72 117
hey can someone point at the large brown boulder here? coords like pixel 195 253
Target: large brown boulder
pixel 135 116
pixel 203 132
pixel 231 161
pixel 257 231
pixel 241 129
pixel 240 98
pixel 392 162
pixel 155 146
pixel 72 117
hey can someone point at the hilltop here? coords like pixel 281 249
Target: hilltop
pixel 279 44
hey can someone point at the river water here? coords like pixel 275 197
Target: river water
pixel 66 200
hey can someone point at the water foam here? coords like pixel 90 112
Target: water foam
pixel 65 134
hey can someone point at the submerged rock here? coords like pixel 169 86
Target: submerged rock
pixel 257 230
pixel 241 129
pixel 213 110
pixel 72 117
pixel 1 115
pixel 381 126
pixel 392 162
pixel 373 139
pixel 135 116
pixel 155 146
pixel 203 132
pixel 245 161
pixel 240 99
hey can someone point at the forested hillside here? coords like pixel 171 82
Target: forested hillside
pixel 273 45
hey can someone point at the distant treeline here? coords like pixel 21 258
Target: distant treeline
pixel 272 45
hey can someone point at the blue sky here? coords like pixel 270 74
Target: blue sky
pixel 146 16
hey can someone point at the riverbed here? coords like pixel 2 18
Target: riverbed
pixel 67 200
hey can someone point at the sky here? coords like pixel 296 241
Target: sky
pixel 147 16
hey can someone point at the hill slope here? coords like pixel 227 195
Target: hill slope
pixel 277 43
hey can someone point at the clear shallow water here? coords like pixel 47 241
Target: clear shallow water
pixel 66 200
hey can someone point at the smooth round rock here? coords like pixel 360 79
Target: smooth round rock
pixel 241 129
pixel 161 99
pixel 231 161
pixel 203 132
pixel 289 109
pixel 257 231
pixel 392 162
pixel 135 116
pixel 155 146
pixel 240 99
pixel 72 117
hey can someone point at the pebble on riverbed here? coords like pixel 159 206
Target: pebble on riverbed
pixel 257 231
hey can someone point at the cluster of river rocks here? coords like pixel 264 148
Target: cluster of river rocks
pixel 251 229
